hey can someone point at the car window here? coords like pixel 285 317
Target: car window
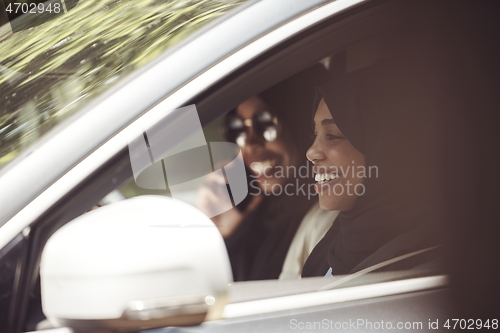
pixel 51 71
pixel 281 142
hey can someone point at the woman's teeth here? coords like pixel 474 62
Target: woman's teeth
pixel 324 177
pixel 260 167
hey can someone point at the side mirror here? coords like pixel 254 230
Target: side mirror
pixel 141 263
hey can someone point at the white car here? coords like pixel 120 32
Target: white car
pixel 76 91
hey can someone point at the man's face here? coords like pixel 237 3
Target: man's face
pixel 268 159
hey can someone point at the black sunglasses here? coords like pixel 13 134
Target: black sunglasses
pixel 264 123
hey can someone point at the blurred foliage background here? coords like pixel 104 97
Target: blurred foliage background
pixel 50 71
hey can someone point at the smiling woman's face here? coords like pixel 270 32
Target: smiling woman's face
pixel 334 159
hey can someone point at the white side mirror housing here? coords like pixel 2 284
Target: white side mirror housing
pixel 145 262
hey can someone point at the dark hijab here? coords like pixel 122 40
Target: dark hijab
pixel 291 101
pixel 387 113
pixel 258 247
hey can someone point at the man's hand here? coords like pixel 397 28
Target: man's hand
pixel 208 200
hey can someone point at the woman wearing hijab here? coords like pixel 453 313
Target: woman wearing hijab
pixel 375 156
pixel 269 128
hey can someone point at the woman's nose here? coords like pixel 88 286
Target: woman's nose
pixel 315 153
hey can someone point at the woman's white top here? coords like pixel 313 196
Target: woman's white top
pixel 313 227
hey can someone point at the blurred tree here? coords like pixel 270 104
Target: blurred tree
pixel 49 71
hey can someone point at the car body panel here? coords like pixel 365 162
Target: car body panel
pixel 418 309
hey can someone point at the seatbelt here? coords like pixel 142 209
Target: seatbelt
pixel 373 268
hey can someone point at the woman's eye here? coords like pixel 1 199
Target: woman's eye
pixel 331 137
